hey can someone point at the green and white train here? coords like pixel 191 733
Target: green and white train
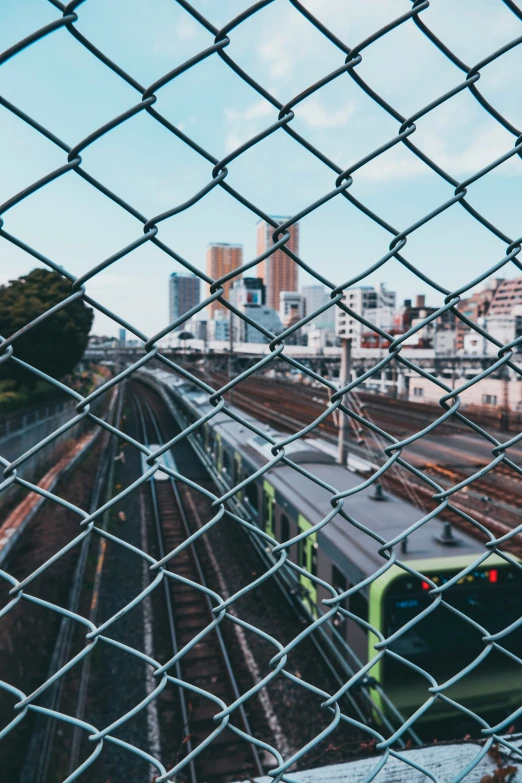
pixel 283 502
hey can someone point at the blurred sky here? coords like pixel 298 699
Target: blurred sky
pixel 64 87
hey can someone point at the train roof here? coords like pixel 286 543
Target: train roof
pixel 388 518
pixel 246 442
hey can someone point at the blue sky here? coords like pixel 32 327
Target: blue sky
pixel 64 87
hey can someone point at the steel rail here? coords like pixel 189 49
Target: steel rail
pixel 107 469
pixel 38 757
pixel 167 595
pixel 202 580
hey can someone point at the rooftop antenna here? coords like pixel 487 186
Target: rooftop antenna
pixel 447 537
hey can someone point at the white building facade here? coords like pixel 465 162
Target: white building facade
pixel 375 305
pixel 261 314
pixel 290 307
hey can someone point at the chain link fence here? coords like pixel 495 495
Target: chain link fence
pixel 148 230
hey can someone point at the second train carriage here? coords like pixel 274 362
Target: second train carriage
pixel 284 503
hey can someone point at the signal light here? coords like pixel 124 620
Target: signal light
pixel 425 586
pixel 493 576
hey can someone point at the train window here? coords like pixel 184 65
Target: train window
pixel 340 582
pixel 489 597
pixel 285 528
pixel 301 553
pixel 268 513
pixel 359 605
pixel 313 557
pixel 251 496
pixel 226 461
pixel 307 554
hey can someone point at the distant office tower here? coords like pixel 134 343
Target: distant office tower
pixel 279 272
pixel 290 307
pixel 247 291
pixel 222 258
pixel 184 294
pixel 314 297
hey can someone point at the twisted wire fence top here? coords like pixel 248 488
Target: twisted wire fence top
pixel 148 229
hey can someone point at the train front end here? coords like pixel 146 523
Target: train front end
pixel 444 643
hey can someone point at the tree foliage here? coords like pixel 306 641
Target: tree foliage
pixel 56 344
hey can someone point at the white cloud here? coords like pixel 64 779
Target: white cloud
pixel 245 123
pixel 291 45
pixel 488 144
pixel 313 112
pixel 187 29
pixel 396 164
pixel 277 54
pixel 232 142
pixel 259 109
pixel 459 140
pixel 316 115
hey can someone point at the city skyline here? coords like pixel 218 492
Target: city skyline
pixel 278 271
pixel 153 171
pixel 221 259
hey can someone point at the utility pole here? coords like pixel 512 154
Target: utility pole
pixel 504 416
pixel 205 345
pixel 231 332
pixel 344 379
pixel 230 348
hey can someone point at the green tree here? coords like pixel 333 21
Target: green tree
pixel 55 345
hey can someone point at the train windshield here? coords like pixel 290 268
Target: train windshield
pixel 443 643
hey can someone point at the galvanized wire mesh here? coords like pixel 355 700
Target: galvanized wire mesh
pixel 149 230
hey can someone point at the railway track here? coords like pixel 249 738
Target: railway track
pixel 493 500
pixel 39 754
pixel 395 415
pixel 189 612
pixel 305 402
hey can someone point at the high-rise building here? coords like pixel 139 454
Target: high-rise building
pixel 247 291
pixel 262 315
pixel 290 308
pixel 248 295
pixel 222 258
pixel 506 294
pixel 376 305
pixel 184 294
pixel 477 305
pixel 279 272
pixel 314 297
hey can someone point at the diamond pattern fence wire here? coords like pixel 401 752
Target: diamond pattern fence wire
pixel 148 229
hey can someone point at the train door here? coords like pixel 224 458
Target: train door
pixel 307 559
pixel 219 453
pixel 236 474
pixel 340 582
pixel 268 508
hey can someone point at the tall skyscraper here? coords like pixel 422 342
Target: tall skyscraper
pixel 314 297
pixel 222 258
pixel 290 307
pixel 184 294
pixel 279 272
